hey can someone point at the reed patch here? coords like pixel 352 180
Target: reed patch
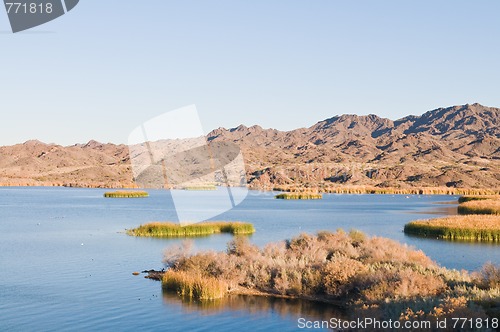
pixel 468 198
pixel 468 227
pixel 200 188
pixel 194 286
pixel 367 189
pixel 486 206
pixel 299 196
pixel 126 194
pixel 371 276
pixel 170 229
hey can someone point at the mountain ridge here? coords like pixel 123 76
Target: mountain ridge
pixel 457 146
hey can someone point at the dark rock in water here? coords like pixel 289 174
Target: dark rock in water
pixel 154 274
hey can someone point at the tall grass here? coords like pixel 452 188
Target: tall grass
pixel 304 195
pixel 168 229
pixel 468 198
pixel 201 188
pixel 366 189
pixel 370 275
pixel 469 227
pixel 194 286
pixel 126 194
pixel 488 206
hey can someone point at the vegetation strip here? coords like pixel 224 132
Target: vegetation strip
pixel 194 286
pixel 169 229
pixel 479 220
pixel 200 188
pixel 374 277
pixel 487 206
pixel 468 198
pixel 126 194
pixel 362 189
pixel 469 228
pixel 299 196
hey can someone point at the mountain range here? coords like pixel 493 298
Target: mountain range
pixel 456 146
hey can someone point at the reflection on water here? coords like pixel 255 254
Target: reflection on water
pixel 441 208
pixel 258 306
pixel 467 245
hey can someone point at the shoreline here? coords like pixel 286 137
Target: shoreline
pixel 364 284
pixel 362 190
pixel 158 276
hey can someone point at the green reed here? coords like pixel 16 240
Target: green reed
pixel 298 196
pixel 467 228
pixel 126 194
pixel 168 229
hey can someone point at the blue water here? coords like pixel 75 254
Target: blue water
pixel 66 264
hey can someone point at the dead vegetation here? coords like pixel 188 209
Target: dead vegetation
pixel 366 274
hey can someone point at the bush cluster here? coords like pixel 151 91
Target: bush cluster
pixel 352 269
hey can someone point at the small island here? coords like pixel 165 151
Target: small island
pixel 201 188
pixel 303 195
pixel 366 275
pixel 126 194
pixel 467 228
pixel 170 229
pixel 480 206
pixel 478 220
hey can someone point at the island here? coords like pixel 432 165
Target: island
pixel 304 195
pixel 126 194
pixel 170 229
pixel 478 220
pixel 369 276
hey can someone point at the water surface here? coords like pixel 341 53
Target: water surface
pixel 66 264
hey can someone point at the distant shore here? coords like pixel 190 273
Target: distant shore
pixel 348 189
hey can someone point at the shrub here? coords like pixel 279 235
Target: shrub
pixel 177 254
pixel 489 276
pixel 338 274
pixel 241 246
pixel 370 275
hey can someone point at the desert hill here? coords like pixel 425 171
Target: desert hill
pixel 457 146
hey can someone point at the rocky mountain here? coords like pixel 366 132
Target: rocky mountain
pixel 456 147
pixel 84 165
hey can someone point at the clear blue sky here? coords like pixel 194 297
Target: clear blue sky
pixel 107 66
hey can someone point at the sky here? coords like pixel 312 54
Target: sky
pixel 106 67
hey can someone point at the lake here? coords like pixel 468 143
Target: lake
pixel 66 264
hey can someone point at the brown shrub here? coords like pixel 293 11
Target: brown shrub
pixel 413 284
pixel 489 276
pixel 175 254
pixel 241 246
pixel 389 282
pixel 378 249
pixel 376 274
pixel 338 274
